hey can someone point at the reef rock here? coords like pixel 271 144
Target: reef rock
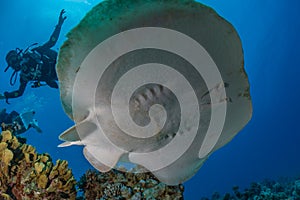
pixel 125 185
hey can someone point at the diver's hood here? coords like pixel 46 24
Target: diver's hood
pixel 11 58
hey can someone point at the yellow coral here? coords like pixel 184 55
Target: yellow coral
pixel 7 156
pixel 69 183
pixel 56 165
pixel 48 167
pixel 42 181
pixel 15 143
pixel 62 167
pixel 32 175
pixel 53 174
pixel 67 175
pixel 3 145
pixel 39 166
pixel 55 184
pixel 6 136
pixel 29 153
pixel 27 149
pixel 5 196
pixel 44 158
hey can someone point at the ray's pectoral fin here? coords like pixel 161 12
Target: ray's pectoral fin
pixel 70 136
pixel 103 159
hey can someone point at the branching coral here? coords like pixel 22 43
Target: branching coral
pixel 125 185
pixel 26 174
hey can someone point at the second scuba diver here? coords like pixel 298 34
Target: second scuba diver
pixel 18 123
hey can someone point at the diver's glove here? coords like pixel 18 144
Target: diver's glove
pixel 61 18
pixel 2 97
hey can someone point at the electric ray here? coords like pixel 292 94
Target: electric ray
pixel 157 83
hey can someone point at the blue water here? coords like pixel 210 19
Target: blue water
pixel 267 147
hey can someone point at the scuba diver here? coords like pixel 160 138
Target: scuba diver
pixel 18 123
pixel 35 65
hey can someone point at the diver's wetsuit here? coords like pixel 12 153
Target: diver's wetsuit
pixel 38 67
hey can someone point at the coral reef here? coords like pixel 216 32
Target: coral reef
pixel 121 185
pixel 26 174
pixel 284 188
